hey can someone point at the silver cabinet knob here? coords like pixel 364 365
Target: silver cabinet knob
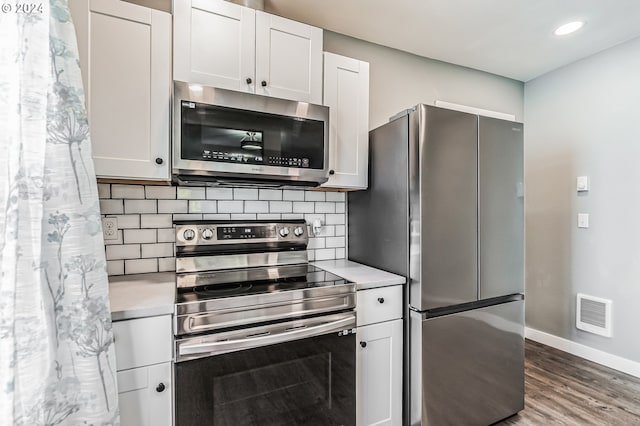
pixel 207 234
pixel 189 234
pixel 284 232
pixel 298 231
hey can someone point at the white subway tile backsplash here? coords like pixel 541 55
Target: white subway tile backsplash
pixel 271 194
pixel 323 207
pixel 335 219
pixel 172 206
pixel 290 195
pixel 135 192
pixel 133 236
pixel 256 206
pixel 219 194
pixel 325 254
pixel 185 193
pixel 292 216
pixel 125 251
pixel 104 190
pixel 166 264
pixel 187 216
pixel 335 196
pixel 243 216
pixel 303 207
pixel 167 235
pixel 217 216
pixel 111 207
pixel 316 243
pixel 245 194
pixel 115 267
pixel 230 206
pixel 333 242
pixel 140 206
pixel 157 250
pixel 270 216
pixel 280 207
pixel 128 221
pixel 156 221
pixel 160 192
pixel 146 234
pixel 140 266
pixel 314 196
pixel 197 206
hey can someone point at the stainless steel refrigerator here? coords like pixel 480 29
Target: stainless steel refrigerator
pixel 445 209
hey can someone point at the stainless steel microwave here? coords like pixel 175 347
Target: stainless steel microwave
pixel 222 137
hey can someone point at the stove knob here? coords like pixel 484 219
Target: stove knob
pixel 207 234
pixel 284 231
pixel 298 231
pixel 189 234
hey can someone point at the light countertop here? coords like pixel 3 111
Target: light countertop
pixel 147 295
pixel 143 295
pixel 364 276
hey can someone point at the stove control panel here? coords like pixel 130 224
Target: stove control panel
pixel 201 233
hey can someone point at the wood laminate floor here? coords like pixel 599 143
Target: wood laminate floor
pixel 562 389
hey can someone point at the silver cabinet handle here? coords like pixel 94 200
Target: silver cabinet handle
pixel 264 339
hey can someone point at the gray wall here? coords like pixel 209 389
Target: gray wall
pixel 584 119
pixel 400 80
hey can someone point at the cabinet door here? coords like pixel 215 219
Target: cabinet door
pixel 125 55
pixel 214 44
pixel 346 93
pixel 288 59
pixel 379 374
pixel 144 396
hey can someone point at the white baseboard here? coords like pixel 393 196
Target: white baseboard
pixel 583 351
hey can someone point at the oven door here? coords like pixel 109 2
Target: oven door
pixel 295 373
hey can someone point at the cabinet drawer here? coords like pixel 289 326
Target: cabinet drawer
pixel 143 341
pixel 379 304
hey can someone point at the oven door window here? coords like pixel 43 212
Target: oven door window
pixel 221 134
pixel 303 382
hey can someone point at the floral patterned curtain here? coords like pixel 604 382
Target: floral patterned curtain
pixel 57 362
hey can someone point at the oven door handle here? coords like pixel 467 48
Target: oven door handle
pixel 262 339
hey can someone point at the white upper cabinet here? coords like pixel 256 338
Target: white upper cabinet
pixel 125 56
pixel 221 44
pixel 214 44
pixel 346 93
pixel 288 59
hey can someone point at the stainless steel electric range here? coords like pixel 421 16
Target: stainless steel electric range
pixel 261 336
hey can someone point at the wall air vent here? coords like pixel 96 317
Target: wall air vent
pixel 593 314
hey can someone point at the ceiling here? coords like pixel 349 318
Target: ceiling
pixel 512 38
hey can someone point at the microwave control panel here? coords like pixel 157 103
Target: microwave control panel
pixel 241 158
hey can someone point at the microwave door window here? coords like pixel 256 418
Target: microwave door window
pixel 214 133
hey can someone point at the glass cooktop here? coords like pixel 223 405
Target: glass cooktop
pixel 267 280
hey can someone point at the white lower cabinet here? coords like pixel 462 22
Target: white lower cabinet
pixel 144 395
pixel 379 358
pixel 143 365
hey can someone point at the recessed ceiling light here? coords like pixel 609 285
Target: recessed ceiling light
pixel 568 28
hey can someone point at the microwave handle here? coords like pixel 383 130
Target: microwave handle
pixel 266 338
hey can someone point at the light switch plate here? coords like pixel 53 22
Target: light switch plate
pixel 583 220
pixel 582 183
